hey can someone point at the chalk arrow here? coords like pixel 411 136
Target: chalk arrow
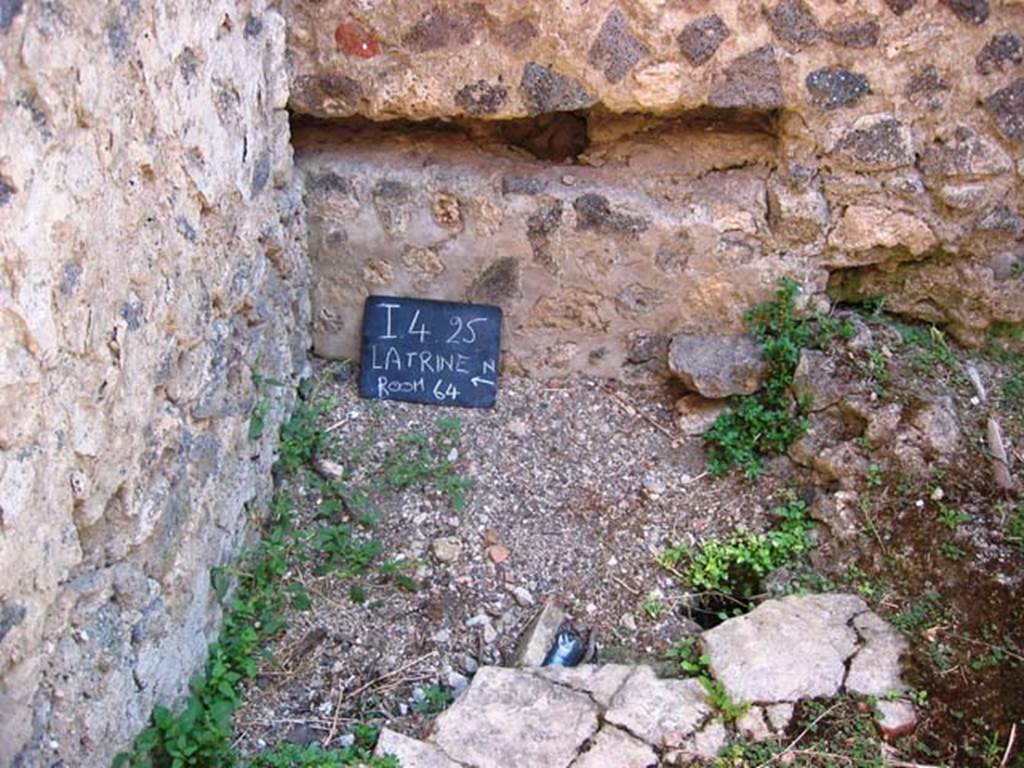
pixel 476 381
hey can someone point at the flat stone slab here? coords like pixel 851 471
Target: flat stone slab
pixel 539 635
pixel 875 670
pixel 614 748
pixel 600 682
pixel 786 650
pixel 411 753
pixel 661 712
pixel 512 717
pixel 717 366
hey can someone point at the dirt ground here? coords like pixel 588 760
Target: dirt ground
pixel 577 485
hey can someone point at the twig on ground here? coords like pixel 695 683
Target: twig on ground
pixel 625 586
pixel 634 411
pixel 1009 746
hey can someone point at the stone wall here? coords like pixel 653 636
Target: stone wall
pixel 151 261
pixel 613 171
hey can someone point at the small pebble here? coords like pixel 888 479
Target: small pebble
pixel 469 664
pixel 628 622
pixel 497 553
pixel 490 634
pixel 523 596
pixel 458 683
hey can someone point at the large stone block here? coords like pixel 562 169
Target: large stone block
pixel 152 247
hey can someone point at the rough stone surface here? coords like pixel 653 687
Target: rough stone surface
pixel 752 725
pixel 875 670
pixel 600 682
pixel 701 38
pixel 508 717
pixel 815 379
pixel 163 269
pixel 751 81
pixel 854 93
pixel 1000 53
pixel 616 49
pixel 833 87
pixel 661 712
pixel 591 269
pixel 539 635
pixel 794 22
pixel 1007 109
pixel 716 366
pixel 865 233
pixel 695 414
pixel 703 745
pixel 797 213
pixel 895 718
pixel 410 752
pixel 786 650
pixel 614 747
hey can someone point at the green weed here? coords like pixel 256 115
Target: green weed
pixel 920 614
pixel 200 734
pixel 728 710
pixel 686 653
pixel 1015 528
pixel 435 699
pixel 653 607
pixel 734 566
pixel 358 755
pixel 420 459
pixel 768 422
pixel 952 518
pixel 302 437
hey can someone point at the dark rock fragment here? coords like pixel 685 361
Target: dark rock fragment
pixel 969 11
pixel 481 97
pixel 856 34
pixel 899 7
pixel 1000 52
pixel 8 10
pixel 1007 109
pixel 751 80
pixel 498 283
pixel 547 91
pixel 701 38
pixel 793 22
pixel 833 87
pixel 616 50
pixel 440 27
pixel 593 213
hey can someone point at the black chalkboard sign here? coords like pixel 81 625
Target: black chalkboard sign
pixel 434 352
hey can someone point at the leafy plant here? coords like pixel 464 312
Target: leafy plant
pixel 314 756
pixel 692 663
pixel 653 607
pixel 769 421
pixel 344 554
pixel 926 611
pixel 435 699
pixel 951 517
pixel 728 710
pixel 1015 528
pixel 420 459
pixel 734 566
pixel 200 734
pixel 302 437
